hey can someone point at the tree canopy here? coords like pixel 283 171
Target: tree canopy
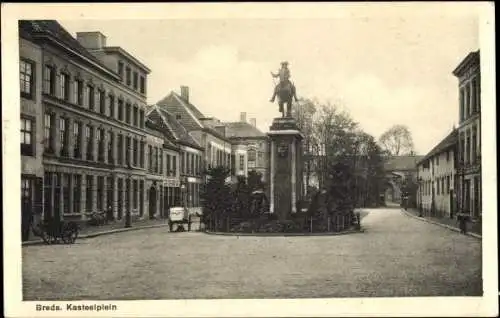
pixel 397 141
pixel 333 137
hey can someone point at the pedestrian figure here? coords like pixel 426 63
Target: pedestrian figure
pixel 109 216
pixel 462 222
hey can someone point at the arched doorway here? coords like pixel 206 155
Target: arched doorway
pixel 152 202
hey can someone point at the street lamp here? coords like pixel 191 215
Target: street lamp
pixel 183 194
pixel 184 203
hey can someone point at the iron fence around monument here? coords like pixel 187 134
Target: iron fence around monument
pixel 300 223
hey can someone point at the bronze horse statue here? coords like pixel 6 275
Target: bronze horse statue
pixel 286 93
pixel 285 90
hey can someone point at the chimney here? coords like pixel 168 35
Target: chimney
pixel 253 122
pixel 185 93
pixel 91 40
pixel 243 117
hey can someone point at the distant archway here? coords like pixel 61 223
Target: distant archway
pixel 392 191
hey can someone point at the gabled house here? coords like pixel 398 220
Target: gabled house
pixel 209 133
pixel 183 162
pixel 437 178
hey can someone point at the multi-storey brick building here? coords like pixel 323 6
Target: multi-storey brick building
pixel 437 179
pixel 92 132
pixel 469 135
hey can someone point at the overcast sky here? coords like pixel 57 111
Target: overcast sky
pixel 386 69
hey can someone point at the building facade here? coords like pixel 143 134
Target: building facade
pixel 208 132
pixel 437 179
pixel 31 120
pixel 183 162
pixel 250 147
pixel 92 134
pixel 469 135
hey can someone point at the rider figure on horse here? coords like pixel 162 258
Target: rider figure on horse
pixel 284 76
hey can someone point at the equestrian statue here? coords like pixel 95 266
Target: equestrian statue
pixel 285 90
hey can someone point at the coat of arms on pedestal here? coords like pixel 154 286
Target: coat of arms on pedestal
pixel 282 149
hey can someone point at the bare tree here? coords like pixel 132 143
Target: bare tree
pixel 332 138
pixel 303 111
pixel 397 141
pixel 333 131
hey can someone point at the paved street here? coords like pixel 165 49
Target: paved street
pixel 396 256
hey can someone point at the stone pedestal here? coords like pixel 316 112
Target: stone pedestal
pixel 286 166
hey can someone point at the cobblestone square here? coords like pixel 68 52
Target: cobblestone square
pixel 395 256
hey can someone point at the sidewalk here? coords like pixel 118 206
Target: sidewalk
pixel 88 231
pixel 473 229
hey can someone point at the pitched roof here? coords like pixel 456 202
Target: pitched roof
pixel 401 163
pixel 52 29
pixel 448 142
pixel 190 106
pixel 172 102
pixel 242 130
pixel 156 122
pixel 178 130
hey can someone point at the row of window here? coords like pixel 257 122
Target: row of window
pixel 86 135
pixel 132 79
pixel 468 142
pixel 80 94
pixel 253 160
pixel 58 186
pixel 63 194
pixel 435 160
pixel 217 157
pixel 191 164
pixel 470 98
pixel 156 162
pixel 442 185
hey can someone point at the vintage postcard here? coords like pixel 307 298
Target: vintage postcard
pixel 248 159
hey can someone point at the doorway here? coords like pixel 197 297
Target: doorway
pixel 152 202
